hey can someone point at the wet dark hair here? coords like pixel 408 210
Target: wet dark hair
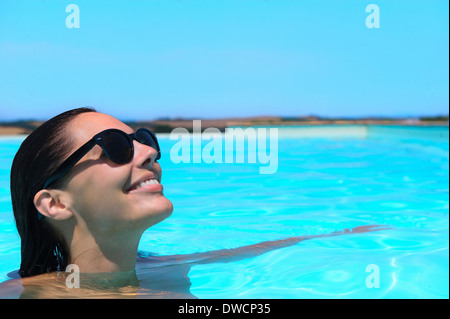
pixel 42 248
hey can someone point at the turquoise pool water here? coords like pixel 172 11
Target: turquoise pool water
pixel 328 179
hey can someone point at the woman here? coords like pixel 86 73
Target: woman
pixel 84 188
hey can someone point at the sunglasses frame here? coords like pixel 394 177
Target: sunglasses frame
pixel 73 159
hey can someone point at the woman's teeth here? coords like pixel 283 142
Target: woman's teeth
pixel 147 182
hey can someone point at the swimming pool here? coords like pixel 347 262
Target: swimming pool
pixel 328 178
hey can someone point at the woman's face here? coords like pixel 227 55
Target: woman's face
pixel 104 194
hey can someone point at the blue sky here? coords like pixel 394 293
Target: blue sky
pixel 147 59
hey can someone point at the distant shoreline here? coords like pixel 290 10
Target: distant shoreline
pixel 167 125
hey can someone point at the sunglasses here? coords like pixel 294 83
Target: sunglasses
pixel 116 144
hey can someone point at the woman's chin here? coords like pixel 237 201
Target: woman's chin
pixel 156 211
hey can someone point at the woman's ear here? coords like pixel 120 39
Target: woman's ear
pixel 52 204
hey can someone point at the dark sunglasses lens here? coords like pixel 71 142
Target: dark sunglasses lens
pixel 117 147
pixel 147 137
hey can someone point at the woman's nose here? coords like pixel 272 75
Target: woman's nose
pixel 145 155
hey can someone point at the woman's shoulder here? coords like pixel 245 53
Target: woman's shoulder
pixel 29 287
pixel 11 289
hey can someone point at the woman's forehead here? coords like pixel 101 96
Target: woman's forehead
pixel 86 125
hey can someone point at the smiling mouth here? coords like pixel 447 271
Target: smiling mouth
pixel 147 182
pixel 150 184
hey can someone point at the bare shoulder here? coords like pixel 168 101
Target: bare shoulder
pixel 11 289
pixel 29 287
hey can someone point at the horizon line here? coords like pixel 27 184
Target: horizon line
pixel 280 117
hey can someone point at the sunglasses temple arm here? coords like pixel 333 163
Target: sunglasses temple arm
pixel 70 162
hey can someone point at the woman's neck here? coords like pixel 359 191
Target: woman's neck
pixel 103 253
